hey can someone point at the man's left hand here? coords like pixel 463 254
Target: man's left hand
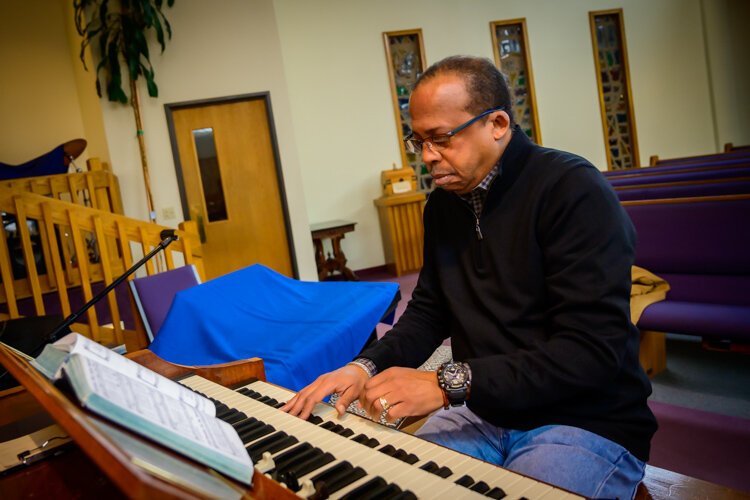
pixel 406 392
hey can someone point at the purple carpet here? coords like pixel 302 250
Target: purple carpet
pixel 708 446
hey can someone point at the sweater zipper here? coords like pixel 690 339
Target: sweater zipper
pixel 477 229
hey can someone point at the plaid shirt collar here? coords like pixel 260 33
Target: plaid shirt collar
pixel 476 197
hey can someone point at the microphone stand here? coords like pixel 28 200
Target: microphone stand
pixel 167 236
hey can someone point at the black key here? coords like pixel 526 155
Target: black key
pixel 314 419
pixel 234 416
pixel 431 467
pixel 406 495
pixel 404 456
pixel 250 426
pixel 465 480
pixel 389 450
pixel 273 443
pixel 366 490
pixel 254 434
pixel 289 478
pixel 338 476
pixel 311 464
pixel 480 487
pixel 222 410
pixel 328 425
pixel 367 441
pixel 346 432
pixel 390 491
pixel 496 493
pixel 242 424
pixel 264 399
pixel 279 404
pixel 444 472
pixel 297 454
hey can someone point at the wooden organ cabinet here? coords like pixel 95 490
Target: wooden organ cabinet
pixel 401 226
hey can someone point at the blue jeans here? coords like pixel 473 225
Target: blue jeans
pixel 577 460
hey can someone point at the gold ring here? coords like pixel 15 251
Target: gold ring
pixel 384 404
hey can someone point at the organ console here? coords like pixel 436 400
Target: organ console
pixel 326 456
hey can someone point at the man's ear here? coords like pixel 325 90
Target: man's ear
pixel 500 124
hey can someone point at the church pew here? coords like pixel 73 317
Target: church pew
pixel 700 246
pixel 707 158
pixel 692 175
pixel 684 189
pixel 683 167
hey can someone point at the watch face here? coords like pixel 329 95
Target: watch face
pixel 454 375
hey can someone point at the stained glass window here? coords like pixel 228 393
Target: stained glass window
pixel 405 54
pixel 511 48
pixel 613 77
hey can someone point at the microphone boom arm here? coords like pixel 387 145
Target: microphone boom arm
pixel 167 235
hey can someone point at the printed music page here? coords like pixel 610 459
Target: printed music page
pixel 143 408
pixel 54 356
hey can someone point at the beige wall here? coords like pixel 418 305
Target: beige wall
pixel 39 106
pixel 728 51
pixel 346 134
pixel 218 49
pixel 323 62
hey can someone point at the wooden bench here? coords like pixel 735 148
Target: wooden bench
pixel 661 484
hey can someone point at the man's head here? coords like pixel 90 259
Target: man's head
pixel 449 94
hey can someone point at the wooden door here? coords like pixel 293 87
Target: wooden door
pixel 230 183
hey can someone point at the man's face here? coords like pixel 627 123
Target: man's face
pixel 438 106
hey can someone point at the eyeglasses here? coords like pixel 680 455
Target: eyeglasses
pixel 440 141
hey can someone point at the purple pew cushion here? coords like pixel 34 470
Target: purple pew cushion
pixel 690 318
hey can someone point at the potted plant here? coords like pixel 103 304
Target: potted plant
pixel 117 32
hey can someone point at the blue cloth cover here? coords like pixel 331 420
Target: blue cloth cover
pixel 48 164
pixel 300 329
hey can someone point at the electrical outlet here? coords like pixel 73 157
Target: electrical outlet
pixel 168 213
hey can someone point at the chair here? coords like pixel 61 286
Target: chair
pixel 154 294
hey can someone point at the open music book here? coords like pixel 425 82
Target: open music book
pixel 147 403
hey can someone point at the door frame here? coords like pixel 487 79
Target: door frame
pixel 170 108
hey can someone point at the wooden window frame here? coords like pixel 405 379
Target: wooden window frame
pixel 625 64
pixel 387 35
pixel 529 72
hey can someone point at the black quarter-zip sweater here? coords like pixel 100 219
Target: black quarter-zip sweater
pixel 537 302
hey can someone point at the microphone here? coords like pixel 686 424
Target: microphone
pixel 167 237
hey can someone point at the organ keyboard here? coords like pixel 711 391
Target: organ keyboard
pixel 355 457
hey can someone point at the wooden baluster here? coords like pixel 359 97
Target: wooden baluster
pixel 82 259
pixel 32 277
pixel 57 269
pixel 108 278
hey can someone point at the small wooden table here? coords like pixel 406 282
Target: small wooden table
pixel 335 231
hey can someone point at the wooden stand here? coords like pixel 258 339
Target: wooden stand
pixel 403 234
pixel 335 230
pixel 653 352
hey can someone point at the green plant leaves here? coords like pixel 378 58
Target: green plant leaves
pixel 119 30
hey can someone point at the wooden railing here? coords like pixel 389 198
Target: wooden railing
pixel 72 247
pixel 97 188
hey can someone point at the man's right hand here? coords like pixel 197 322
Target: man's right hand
pixel 347 381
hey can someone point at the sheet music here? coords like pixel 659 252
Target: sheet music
pixel 51 360
pixel 145 401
